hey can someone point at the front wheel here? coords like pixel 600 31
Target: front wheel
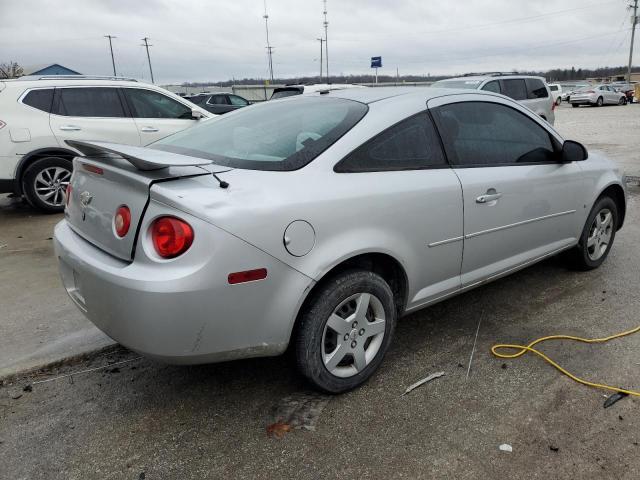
pixel 597 236
pixel 623 101
pixel 44 183
pixel 345 331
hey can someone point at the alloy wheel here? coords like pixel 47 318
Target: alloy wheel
pixel 50 185
pixel 353 335
pixel 600 234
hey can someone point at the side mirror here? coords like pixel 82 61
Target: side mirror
pixel 573 152
pixel 197 114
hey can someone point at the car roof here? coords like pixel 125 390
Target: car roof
pixel 371 95
pixel 495 77
pixel 24 82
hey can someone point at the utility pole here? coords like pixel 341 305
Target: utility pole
pixel 633 34
pixel 269 47
pixel 113 62
pixel 326 38
pixel 146 45
pixel 321 40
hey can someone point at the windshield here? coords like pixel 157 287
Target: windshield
pixel 283 135
pixel 285 92
pixel 457 84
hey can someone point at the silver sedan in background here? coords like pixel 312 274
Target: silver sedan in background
pixel 317 221
pixel 597 95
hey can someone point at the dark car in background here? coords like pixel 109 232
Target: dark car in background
pixel 218 103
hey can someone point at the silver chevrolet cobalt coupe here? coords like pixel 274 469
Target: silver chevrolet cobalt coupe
pixel 316 221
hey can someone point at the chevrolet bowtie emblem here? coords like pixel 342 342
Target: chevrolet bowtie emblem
pixel 85 198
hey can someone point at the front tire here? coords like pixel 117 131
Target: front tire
pixel 44 183
pixel 597 236
pixel 345 331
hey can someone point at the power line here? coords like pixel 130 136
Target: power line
pixel 146 45
pixel 113 62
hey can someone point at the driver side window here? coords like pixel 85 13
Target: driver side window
pixel 490 134
pixel 150 104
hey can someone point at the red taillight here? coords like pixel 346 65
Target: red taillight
pixel 171 236
pixel 67 194
pixel 122 220
pixel 247 276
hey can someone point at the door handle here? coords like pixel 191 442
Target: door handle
pixel 70 128
pixel 490 196
pixel 148 129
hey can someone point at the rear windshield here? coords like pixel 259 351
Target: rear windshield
pixel 457 84
pixel 285 92
pixel 283 135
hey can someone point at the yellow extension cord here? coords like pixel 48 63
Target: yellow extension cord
pixel 522 349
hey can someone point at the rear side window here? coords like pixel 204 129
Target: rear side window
pixel 515 88
pixel 217 100
pixel 88 102
pixel 150 104
pixel 484 134
pixel 553 88
pixel 411 144
pixel 40 99
pixel 492 86
pixel 536 88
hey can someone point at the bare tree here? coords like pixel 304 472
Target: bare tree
pixel 10 69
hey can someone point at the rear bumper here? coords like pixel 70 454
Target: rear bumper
pixel 184 312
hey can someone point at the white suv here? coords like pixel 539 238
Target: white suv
pixel 38 114
pixel 532 92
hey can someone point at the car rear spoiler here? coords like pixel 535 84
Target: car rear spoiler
pixel 140 157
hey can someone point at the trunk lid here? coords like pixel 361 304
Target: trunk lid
pixel 110 176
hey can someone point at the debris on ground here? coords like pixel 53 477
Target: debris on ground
pixel 300 410
pixel 15 395
pixel 278 429
pixel 614 398
pixel 505 447
pixel 553 448
pixel 419 383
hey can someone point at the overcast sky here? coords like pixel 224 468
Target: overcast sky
pixel 201 40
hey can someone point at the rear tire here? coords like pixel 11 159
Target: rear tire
pixel 44 183
pixel 599 102
pixel 345 331
pixel 558 101
pixel 597 236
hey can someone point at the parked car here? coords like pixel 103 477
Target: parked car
pixel 568 89
pixel 243 235
pixel 38 114
pixel 292 90
pixel 627 88
pixel 220 102
pixel 530 91
pixel 597 96
pixel 556 92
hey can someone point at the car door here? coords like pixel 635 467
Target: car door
pixel 218 104
pixel 91 113
pixel 418 198
pixel 520 201
pixel 157 115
